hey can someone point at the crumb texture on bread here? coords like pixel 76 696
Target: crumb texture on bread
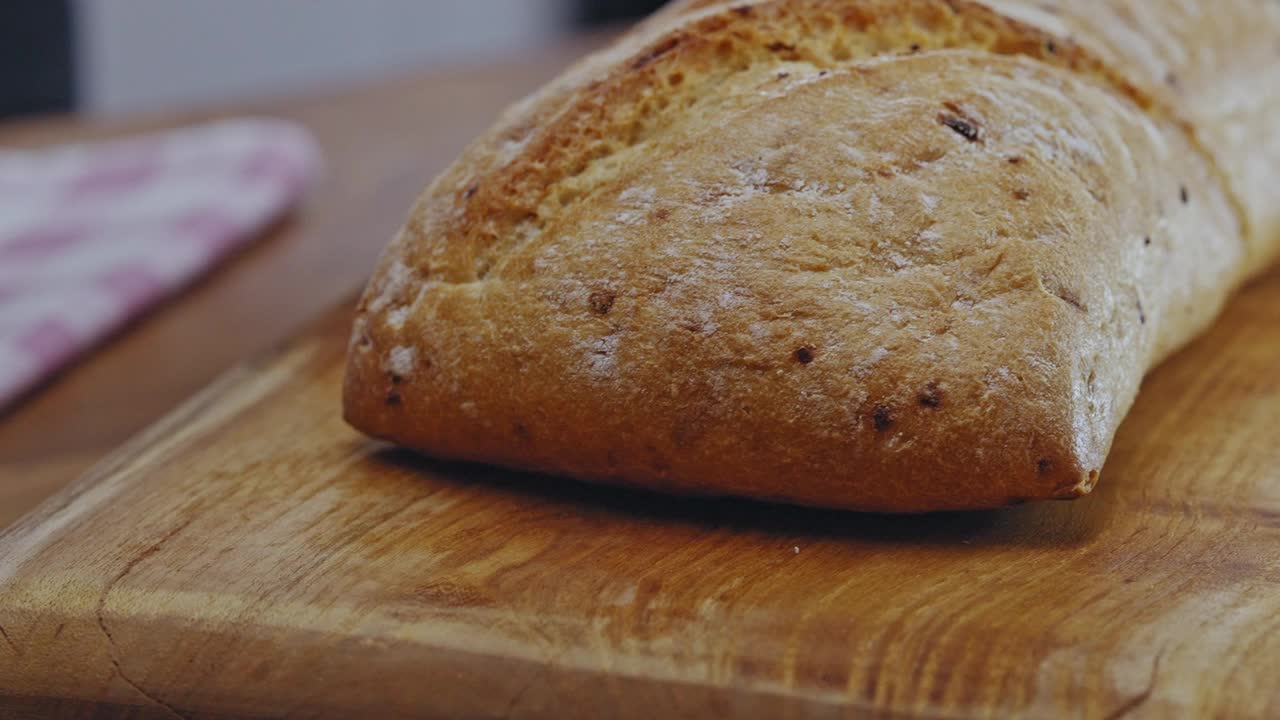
pixel 891 255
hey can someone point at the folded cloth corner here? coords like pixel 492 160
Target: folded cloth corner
pixel 92 235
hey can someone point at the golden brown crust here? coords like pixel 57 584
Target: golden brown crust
pixel 887 255
pixel 1215 64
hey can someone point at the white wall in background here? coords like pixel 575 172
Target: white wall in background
pixel 138 55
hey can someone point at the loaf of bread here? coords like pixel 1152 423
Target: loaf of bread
pixel 892 255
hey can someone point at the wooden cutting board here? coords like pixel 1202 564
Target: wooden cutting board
pixel 253 557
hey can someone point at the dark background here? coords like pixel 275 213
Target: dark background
pixel 36 67
pixel 37 49
pixel 602 12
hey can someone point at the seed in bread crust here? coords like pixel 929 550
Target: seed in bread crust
pixel 931 396
pixel 601 301
pixel 883 418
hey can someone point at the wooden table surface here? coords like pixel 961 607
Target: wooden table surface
pixel 382 142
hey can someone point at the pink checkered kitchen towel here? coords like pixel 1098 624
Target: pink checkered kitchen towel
pixel 92 235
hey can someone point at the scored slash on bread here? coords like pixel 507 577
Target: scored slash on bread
pixel 888 255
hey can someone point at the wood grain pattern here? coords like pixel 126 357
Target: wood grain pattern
pixel 382 141
pixel 253 557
